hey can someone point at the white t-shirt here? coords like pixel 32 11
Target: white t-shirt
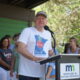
pixel 38 44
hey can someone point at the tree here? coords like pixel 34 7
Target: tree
pixel 64 19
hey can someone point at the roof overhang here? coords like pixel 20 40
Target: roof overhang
pixel 29 4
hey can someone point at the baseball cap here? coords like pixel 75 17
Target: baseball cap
pixel 41 13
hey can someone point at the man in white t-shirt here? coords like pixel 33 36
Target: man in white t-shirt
pixel 33 45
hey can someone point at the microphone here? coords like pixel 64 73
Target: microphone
pixel 47 28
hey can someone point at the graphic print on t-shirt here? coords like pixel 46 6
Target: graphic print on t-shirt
pixel 6 54
pixel 39 45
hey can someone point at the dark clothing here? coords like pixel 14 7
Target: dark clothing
pixel 27 78
pixel 6 56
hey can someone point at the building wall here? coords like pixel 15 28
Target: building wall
pixel 13 19
pixel 17 13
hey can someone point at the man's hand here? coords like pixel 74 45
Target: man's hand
pixel 38 58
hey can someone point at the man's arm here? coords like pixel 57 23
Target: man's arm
pixel 21 48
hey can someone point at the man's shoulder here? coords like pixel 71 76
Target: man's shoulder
pixel 47 33
pixel 27 28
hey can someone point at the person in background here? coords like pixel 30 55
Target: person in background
pixel 15 38
pixel 51 72
pixel 6 59
pixel 73 46
pixel 16 56
pixel 10 40
pixel 33 45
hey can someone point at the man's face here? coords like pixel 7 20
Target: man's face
pixel 40 21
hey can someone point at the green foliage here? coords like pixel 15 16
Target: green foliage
pixel 63 18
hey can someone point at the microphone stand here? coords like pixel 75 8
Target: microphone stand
pixel 54 46
pixel 47 28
